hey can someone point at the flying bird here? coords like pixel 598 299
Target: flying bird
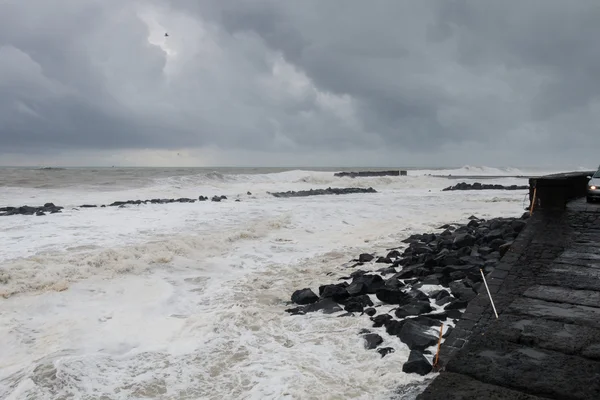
pixel 166 34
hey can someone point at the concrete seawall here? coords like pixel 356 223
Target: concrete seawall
pixel 546 342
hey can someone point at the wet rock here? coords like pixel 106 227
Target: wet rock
pixel 317 192
pixel 481 186
pixel 372 340
pixel 357 303
pixel 371 281
pixel 357 289
pixel 413 308
pixel 365 257
pixel 463 240
pixel 391 296
pixel 381 320
pixel 387 271
pixel 304 296
pixel 367 173
pixel 416 336
pixel 384 351
pixel 417 364
pixel 393 254
pixel 336 292
pixel 370 311
pixel 457 305
pixel 328 306
pixel 384 260
pixel 461 291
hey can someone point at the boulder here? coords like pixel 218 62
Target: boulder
pixel 417 364
pixel 304 296
pixel 381 320
pixel 392 296
pixel 328 306
pixel 461 291
pixel 413 308
pixel 416 336
pixel 371 281
pixel 370 311
pixel 463 240
pixel 365 257
pixel 336 292
pixel 384 351
pixel 372 340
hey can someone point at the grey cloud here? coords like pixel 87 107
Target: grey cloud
pixel 274 76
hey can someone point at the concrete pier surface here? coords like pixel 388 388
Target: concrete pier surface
pixel 546 342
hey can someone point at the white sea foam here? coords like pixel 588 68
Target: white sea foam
pixel 186 301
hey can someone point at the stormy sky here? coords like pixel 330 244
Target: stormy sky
pixel 311 82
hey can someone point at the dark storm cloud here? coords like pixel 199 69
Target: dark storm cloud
pixel 301 75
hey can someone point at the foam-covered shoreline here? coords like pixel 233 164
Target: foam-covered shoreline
pixel 430 283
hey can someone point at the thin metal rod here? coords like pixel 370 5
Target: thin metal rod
pixel 488 292
pixel 437 354
pixel 533 200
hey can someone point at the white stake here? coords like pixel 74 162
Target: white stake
pixel 488 291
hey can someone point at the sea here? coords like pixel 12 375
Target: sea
pixel 186 300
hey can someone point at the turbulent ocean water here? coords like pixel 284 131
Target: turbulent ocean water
pixel 186 301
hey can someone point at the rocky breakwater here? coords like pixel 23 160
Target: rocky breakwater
pixel 407 293
pixel 366 174
pixel 50 208
pixel 482 186
pixel 318 192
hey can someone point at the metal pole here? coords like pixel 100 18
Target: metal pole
pixel 488 292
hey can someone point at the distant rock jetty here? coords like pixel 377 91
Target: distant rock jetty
pixel 318 192
pixel 369 173
pixel 50 208
pixel 451 258
pixel 482 186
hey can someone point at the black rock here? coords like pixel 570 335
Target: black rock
pixel 372 340
pixel 394 283
pixel 417 364
pixel 457 305
pixel 336 292
pixel 463 240
pixel 392 296
pixel 440 294
pixel 357 289
pixel 384 351
pixel 503 249
pixel 370 311
pixel 358 303
pixel 371 281
pixel 413 308
pixel 304 296
pixel 328 306
pixel 381 320
pixel 416 336
pixel 316 192
pixel 387 271
pixel 365 257
pixel 393 254
pixel 461 291
pixel 384 260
